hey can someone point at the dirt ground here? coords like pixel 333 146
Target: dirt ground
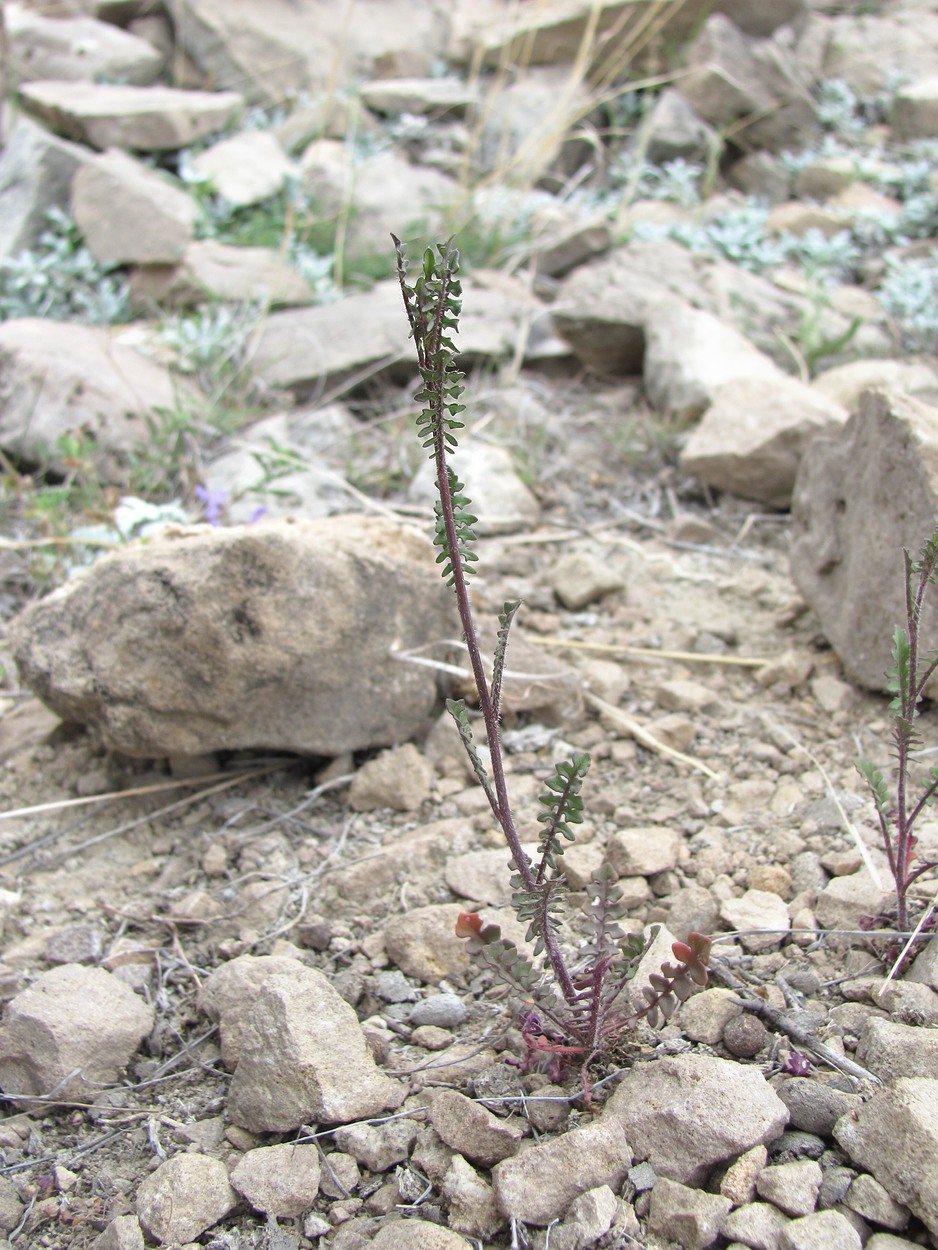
pixel 155 880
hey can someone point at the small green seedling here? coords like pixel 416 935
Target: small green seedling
pixel 911 670
pixel 580 1008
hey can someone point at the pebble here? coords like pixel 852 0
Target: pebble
pixel 444 1011
pixel 474 1131
pixel 472 1207
pixel 813 1105
pixel 892 1050
pixel 280 1181
pixel 745 1035
pixel 792 1187
pixel 393 987
pixel 184 1196
pixel 796 1144
pixel 690 1217
pixel 823 1230
pixel 704 1017
pixel 756 910
pixel 869 1199
pixel 739 1183
pixel 429 1037
pixel 378 1146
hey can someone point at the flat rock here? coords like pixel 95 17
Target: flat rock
pixel 209 270
pixel 500 500
pixel 228 638
pixel 70 49
pixel 148 119
pixel 845 901
pixel 61 377
pixel 129 213
pixel 860 496
pixel 304 1059
pixel 757 910
pixel 904 1115
pixel 472 1130
pixel 416 1235
pixel 472 1206
pixel 754 434
pixel 844 384
pixel 813 1105
pixel 643 851
pixel 183 1197
pixel 792 1187
pixel 123 1233
pixel 579 579
pixel 378 1147
pixel 538 1185
pixel 686 1113
pixel 281 1181
pixel 419 96
pixel 70 1032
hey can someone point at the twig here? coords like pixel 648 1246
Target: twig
pixel 778 1020
pixel 642 735
pixel 653 653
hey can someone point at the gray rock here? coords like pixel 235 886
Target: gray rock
pixel 822 1230
pixel 754 85
pixel 904 1115
pixel 580 578
pixel 814 1106
pixel 378 1146
pixel 123 1233
pixel 472 1207
pixel 690 1217
pixel 643 851
pixel 208 269
pixel 755 433
pixel 859 498
pixel 924 970
pixel 304 1058
pixel 129 213
pixel 844 384
pixel 183 1197
pixel 468 1127
pixel 245 169
pixel 483 876
pixel 148 119
pixel 393 987
pixel 398 778
pixel 228 993
pixel 589 1218
pixel 762 17
pixel 75 49
pixel 424 945
pixel 870 1200
pixel 500 500
pixel 419 97
pixel 704 1017
pixel 539 1184
pixel 443 1011
pixel 57 378
pixel 756 1224
pixel 70 1032
pixel 844 901
pixel 281 1181
pixel 792 1187
pixel 754 911
pixel 675 132
pixel 36 171
pixel 715 1110
pixel 233 638
pixel 416 1235
pixel 891 1050
pixel 11 1208
pixel 914 112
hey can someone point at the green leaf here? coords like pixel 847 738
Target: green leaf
pixel 505 618
pixel 457 709
pixel 877 784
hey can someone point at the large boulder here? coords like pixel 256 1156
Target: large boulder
pixel 279 635
pixel 860 497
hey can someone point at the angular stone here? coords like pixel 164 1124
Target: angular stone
pixel 904 1115
pixel 239 637
pixel 129 213
pixel 416 1235
pixel 754 911
pixel 539 1184
pixel 148 119
pixel 758 1224
pixel 281 1181
pixel 754 435
pixel 500 500
pixel 914 113
pixel 70 1032
pixel 792 1187
pixel 579 579
pixel 814 1106
pixel 822 1230
pixel 228 993
pixel 704 1017
pixel 870 1200
pixel 378 1147
pixel 123 1233
pixel 209 270
pixel 686 1113
pixel 398 778
pixel 69 49
pixel 860 497
pixel 419 96
pixel 691 1218
pixel 61 377
pixel 304 1059
pixel 245 169
pixel 891 1050
pixel 467 1126
pixel 844 384
pixel 845 901
pixel 423 943
pixel 643 851
pixel 36 171
pixel 184 1196
pixel 472 1206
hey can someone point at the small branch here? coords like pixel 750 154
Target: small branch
pixel 642 735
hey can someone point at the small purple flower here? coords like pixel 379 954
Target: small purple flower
pixel 214 503
pixel 797 1065
pixel 256 515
